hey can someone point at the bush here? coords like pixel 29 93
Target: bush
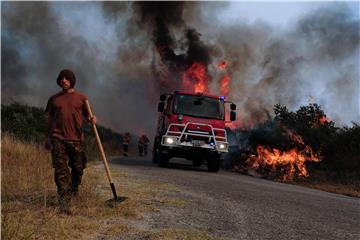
pixel 342 151
pixel 24 122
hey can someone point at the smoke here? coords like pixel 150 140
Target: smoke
pixel 318 58
pixel 41 38
pixel 125 54
pixel 178 45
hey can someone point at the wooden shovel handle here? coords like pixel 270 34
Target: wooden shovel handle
pixel 101 149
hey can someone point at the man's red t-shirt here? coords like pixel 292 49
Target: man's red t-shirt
pixel 67 111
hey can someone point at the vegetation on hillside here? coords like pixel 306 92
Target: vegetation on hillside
pixel 29 124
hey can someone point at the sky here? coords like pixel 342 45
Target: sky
pixel 284 52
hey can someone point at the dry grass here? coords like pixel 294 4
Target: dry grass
pixel 29 198
pixel 347 183
pixel 176 234
pixel 26 171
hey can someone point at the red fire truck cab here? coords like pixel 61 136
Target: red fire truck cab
pixel 191 126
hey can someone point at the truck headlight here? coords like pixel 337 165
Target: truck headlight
pixel 169 140
pixel 222 146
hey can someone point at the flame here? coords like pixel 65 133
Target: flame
pixel 195 78
pixel 321 120
pixel 286 163
pixel 224 85
pixel 225 79
pixel 223 65
pixel 324 120
pixel 235 125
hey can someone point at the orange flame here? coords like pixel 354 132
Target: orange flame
pixel 288 163
pixel 224 80
pixel 195 78
pixel 223 65
pixel 324 120
pixel 224 85
pixel 235 125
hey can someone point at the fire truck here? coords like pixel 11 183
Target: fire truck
pixel 192 126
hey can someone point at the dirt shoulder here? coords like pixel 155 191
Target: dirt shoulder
pixel 149 212
pixel 145 214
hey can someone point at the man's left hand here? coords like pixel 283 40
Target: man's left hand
pixel 93 119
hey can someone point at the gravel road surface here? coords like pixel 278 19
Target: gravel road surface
pixel 228 205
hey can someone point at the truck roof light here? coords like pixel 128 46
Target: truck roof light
pixel 222 98
pixel 180 117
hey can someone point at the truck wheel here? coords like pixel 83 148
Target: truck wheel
pixel 213 164
pixel 163 160
pixel 197 162
pixel 155 151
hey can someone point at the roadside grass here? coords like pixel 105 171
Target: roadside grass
pixel 30 209
pixel 346 184
pixel 29 198
pixel 174 234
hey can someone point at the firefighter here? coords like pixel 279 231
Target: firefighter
pixel 65 112
pixel 143 145
pixel 126 142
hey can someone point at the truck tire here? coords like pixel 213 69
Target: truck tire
pixel 163 160
pixel 213 164
pixel 155 150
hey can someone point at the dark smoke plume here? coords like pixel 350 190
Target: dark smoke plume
pixel 165 21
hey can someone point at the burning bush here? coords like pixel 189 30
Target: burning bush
pixel 293 144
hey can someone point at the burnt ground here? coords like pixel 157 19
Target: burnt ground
pixel 228 205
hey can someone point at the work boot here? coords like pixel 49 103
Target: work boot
pixel 74 192
pixel 75 187
pixel 64 205
pixel 65 211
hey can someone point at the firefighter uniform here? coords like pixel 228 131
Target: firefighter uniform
pixel 143 145
pixel 126 142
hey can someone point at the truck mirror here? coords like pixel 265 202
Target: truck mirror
pixel 232 115
pixel 233 106
pixel 162 97
pixel 161 106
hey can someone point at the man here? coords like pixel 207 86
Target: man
pixel 66 111
pixel 143 145
pixel 126 142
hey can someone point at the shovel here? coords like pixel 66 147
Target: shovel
pixel 102 155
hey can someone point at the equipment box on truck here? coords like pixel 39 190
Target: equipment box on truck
pixel 191 126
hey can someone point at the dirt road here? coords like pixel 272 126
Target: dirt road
pixel 227 205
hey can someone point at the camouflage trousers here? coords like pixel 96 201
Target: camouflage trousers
pixel 67 154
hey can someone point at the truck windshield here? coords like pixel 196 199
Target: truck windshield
pixel 199 106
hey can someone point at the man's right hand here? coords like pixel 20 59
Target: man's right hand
pixel 47 144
